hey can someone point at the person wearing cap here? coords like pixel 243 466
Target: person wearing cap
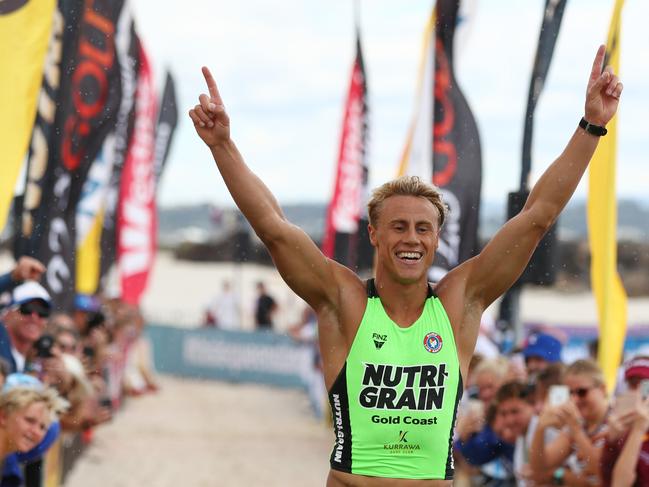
pixel 541 350
pixel 27 268
pixel 22 322
pixel 625 458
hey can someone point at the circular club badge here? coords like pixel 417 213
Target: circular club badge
pixel 433 342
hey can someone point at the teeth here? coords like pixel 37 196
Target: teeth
pixel 409 255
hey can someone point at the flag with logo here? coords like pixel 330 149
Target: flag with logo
pixel 136 215
pixel 347 206
pixel 602 225
pixel 87 101
pixel 443 144
pixel 92 208
pixel 41 185
pixel 25 27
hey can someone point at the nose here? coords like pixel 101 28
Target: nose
pixel 411 234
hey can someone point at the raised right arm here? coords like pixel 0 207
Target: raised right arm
pixel 315 278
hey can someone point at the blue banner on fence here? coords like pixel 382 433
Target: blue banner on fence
pixel 260 357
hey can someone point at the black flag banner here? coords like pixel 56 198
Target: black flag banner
pixel 39 174
pixel 167 120
pixel 129 61
pixel 457 160
pixel 541 269
pixel 88 98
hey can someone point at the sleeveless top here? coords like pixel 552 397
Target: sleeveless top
pixel 394 402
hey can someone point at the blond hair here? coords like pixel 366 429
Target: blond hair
pixel 19 398
pixel 496 366
pixel 588 368
pixel 405 186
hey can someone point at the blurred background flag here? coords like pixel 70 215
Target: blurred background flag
pixel 166 126
pixel 136 215
pixel 128 56
pixel 452 159
pixel 88 100
pixel 25 28
pixel 345 236
pixel 602 225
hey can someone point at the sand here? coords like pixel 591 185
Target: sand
pixel 194 433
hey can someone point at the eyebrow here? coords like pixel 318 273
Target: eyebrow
pixel 397 221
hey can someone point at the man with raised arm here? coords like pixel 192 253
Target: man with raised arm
pixel 395 348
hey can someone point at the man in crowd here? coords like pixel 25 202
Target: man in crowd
pixel 265 308
pixel 395 348
pixel 22 322
pixel 540 350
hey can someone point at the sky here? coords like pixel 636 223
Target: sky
pixel 283 70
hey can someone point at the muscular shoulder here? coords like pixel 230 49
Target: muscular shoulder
pixel 348 302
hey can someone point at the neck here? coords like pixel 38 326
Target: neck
pixel 403 302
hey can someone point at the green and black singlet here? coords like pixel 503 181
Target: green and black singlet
pixel 394 402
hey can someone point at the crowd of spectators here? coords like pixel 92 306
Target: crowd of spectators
pixel 531 420
pixel 86 359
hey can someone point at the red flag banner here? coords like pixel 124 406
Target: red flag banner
pixel 350 190
pixel 136 215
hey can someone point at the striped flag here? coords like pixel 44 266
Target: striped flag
pixel 347 207
pixel 25 28
pixel 602 224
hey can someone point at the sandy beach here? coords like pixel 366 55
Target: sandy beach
pixel 208 434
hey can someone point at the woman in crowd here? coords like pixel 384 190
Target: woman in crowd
pixel 573 457
pixel 25 415
pixel 477 446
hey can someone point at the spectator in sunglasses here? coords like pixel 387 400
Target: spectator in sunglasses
pixel 573 457
pixel 22 322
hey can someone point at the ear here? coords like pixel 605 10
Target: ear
pixel 3 420
pixel 372 233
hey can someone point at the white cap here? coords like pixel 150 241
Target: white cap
pixel 28 291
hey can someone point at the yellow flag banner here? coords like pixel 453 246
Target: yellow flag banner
pixel 88 255
pixel 25 27
pixel 602 224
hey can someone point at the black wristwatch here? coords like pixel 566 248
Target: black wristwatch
pixel 592 129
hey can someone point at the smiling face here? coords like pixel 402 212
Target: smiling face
pixel 405 236
pixel 514 415
pixel 26 427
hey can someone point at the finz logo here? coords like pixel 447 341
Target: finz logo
pixel 10 6
pixel 379 340
pixel 433 342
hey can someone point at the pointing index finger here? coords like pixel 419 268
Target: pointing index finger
pixel 598 63
pixel 211 86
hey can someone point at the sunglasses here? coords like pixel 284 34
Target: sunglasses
pixel 580 392
pixel 30 308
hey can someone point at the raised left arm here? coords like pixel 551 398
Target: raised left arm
pixel 504 258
